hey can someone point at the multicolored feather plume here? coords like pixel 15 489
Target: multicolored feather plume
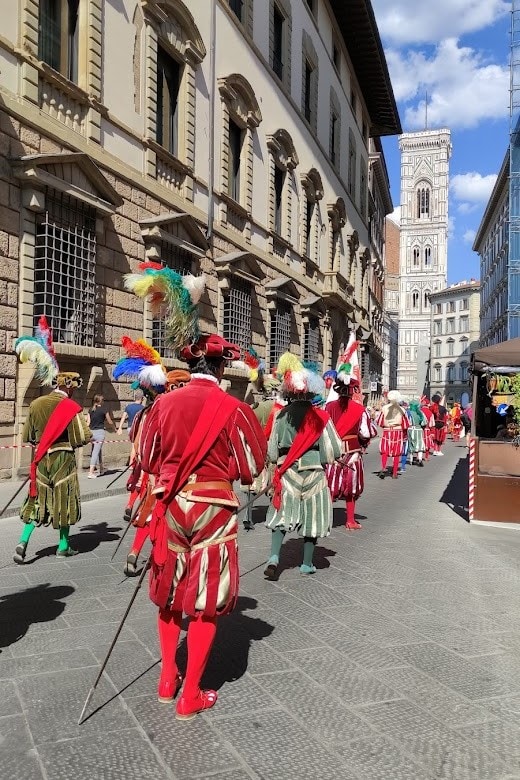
pixel 172 296
pixel 142 362
pixel 39 349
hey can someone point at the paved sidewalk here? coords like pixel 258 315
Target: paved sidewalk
pixel 91 489
pixel 398 660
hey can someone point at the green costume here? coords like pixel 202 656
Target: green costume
pixel 306 504
pixel 58 500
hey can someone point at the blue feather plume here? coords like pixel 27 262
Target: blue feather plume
pixel 128 367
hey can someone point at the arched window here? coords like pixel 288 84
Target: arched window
pixel 426 300
pixel 451 347
pixel 438 372
pixel 427 256
pixel 464 346
pixel 423 201
pixel 450 372
pixel 436 348
pixel 407 355
pixel 463 372
pixel 416 256
pixel 415 300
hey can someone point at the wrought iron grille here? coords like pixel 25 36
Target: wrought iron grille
pixel 311 342
pixel 49 33
pixel 179 260
pixel 280 333
pixel 65 269
pixel 237 314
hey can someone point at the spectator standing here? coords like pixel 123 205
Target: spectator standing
pixel 97 418
pixel 130 411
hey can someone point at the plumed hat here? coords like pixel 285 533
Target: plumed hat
pixel 178 377
pixel 172 296
pixel 212 346
pixel 298 380
pixel 39 349
pixel 142 363
pixel 394 397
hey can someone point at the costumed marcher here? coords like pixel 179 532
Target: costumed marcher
pixel 303 441
pixel 355 429
pixel 196 441
pixel 55 425
pixel 394 422
pixel 429 428
pixel 456 422
pixel 404 451
pixel 416 440
pixel 440 415
pixel 143 364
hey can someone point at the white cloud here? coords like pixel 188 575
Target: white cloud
pixel 451 227
pixel 467 208
pixel 463 87
pixel 469 236
pixel 408 21
pixel 395 216
pixel 472 187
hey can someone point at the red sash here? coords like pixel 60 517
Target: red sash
pixel 61 417
pixel 349 419
pixel 311 429
pixel 213 417
pixel 270 420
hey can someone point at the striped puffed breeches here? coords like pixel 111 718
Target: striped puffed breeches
pixel 200 575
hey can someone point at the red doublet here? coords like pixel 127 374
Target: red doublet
pixel 200 572
pixel 346 479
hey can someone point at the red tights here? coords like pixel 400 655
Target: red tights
pixel 132 498
pixel 395 464
pixel 201 634
pixel 141 535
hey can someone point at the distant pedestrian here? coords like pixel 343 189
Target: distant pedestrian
pixel 97 418
pixel 392 419
pixel 130 411
pixel 416 440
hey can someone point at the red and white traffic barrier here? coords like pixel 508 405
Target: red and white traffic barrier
pixel 472 465
pixel 21 446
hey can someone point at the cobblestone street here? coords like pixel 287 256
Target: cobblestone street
pixel 399 659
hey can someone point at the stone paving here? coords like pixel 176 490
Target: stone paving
pixel 398 660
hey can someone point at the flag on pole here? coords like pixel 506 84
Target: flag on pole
pixel 348 365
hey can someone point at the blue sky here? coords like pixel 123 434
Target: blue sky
pixel 457 51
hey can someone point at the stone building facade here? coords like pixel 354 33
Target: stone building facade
pixel 391 304
pixel 455 331
pixel 499 304
pixel 126 136
pixel 423 247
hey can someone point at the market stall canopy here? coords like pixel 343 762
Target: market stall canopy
pixel 506 354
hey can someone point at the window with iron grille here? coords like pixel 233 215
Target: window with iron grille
pixel 278 41
pixel 280 340
pixel 237 314
pixel 311 340
pixel 58 36
pixel 65 269
pixel 179 260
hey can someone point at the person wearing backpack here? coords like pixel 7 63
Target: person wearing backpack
pixel 440 414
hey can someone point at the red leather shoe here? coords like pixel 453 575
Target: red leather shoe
pixel 168 689
pixel 187 708
pixel 353 525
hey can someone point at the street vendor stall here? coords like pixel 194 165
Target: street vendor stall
pixel 494 446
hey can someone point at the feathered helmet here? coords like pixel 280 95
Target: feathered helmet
pixel 172 296
pixel 143 364
pixel 39 349
pixel 298 381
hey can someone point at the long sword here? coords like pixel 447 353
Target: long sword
pixel 119 475
pixel 13 497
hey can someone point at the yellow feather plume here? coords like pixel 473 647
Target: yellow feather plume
pixel 289 362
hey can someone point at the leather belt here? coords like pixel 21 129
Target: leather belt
pixel 222 484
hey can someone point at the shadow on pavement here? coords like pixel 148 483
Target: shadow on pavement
pixel 339 517
pixel 292 554
pixel 230 653
pixel 456 493
pixel 20 610
pixel 89 537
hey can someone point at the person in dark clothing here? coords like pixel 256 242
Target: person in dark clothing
pixel 97 418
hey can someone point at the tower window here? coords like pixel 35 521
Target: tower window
pixel 423 202
pixel 416 256
pixel 415 300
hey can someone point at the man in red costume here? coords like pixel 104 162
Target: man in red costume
pixel 440 414
pixel 196 442
pixel 355 429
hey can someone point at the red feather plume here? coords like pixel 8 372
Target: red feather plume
pixel 150 264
